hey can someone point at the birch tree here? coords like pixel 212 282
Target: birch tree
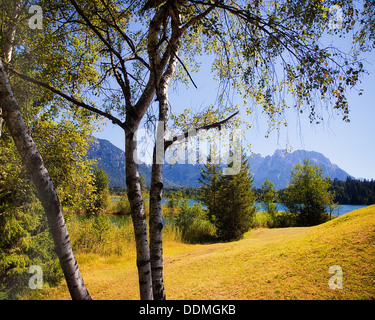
pixel 267 52
pixel 13 12
pixel 44 186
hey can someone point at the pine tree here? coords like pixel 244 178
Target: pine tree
pixel 210 183
pixel 236 203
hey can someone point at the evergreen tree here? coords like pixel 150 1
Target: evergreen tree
pixel 354 191
pixel 210 183
pixel 236 203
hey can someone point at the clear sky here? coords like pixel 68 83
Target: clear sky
pixel 349 145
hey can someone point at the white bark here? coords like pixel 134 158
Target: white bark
pixel 156 221
pixel 33 162
pixel 138 216
pixel 8 40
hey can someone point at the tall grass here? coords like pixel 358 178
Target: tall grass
pixel 113 234
pixel 107 234
pixel 102 234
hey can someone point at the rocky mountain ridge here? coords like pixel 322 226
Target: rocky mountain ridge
pixel 276 167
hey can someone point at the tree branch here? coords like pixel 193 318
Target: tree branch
pixel 194 132
pixel 67 97
pixel 186 70
pixel 127 39
pixel 197 18
pixel 94 29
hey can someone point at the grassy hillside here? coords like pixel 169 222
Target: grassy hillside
pixel 289 263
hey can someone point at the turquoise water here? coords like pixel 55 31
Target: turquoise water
pixel 342 209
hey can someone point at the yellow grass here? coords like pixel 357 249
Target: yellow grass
pixel 288 263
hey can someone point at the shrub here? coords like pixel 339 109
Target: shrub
pixel 277 220
pixel 194 224
pixel 262 220
pixel 285 220
pixel 123 206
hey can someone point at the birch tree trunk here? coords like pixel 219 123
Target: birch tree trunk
pixel 33 162
pixel 156 190
pixel 138 215
pixel 7 43
pixel 1 120
pixel 156 221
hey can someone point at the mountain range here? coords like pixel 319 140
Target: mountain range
pixel 276 167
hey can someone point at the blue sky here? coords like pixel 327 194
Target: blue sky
pixel 349 145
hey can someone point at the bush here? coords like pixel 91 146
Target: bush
pixel 277 220
pixel 201 231
pixel 194 224
pixel 123 206
pixel 285 220
pixel 262 220
pixel 174 200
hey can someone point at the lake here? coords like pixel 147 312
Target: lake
pixel 342 209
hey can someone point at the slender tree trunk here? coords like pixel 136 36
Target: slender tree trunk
pixel 1 120
pixel 33 162
pixel 156 220
pixel 156 232
pixel 138 215
pixel 7 43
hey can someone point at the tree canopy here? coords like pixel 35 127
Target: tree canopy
pixel 266 51
pixel 307 194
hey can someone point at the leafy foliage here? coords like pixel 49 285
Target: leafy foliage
pixel 25 240
pixel 118 50
pixel 269 197
pixel 123 206
pixel 194 224
pixel 266 51
pixel 307 195
pixel 62 139
pixel 101 182
pixel 101 234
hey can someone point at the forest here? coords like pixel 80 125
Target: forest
pixel 353 191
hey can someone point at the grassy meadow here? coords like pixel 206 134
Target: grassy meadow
pixel 278 263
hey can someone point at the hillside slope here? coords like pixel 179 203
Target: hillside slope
pixel 289 263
